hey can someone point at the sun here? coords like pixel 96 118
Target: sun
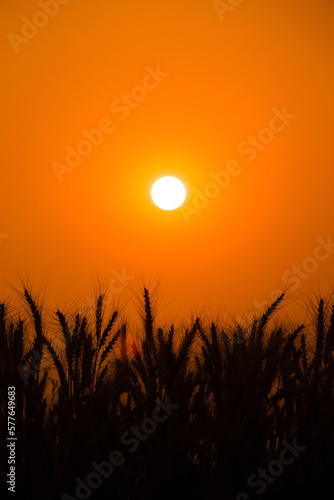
pixel 168 193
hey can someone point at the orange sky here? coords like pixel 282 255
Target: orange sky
pixel 223 78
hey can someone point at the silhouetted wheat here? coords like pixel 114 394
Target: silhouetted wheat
pixel 241 393
pixel 329 340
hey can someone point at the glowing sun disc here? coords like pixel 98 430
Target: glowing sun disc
pixel 168 193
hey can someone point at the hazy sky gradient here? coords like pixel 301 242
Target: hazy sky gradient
pixel 225 80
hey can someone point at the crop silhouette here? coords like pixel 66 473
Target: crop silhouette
pixel 239 395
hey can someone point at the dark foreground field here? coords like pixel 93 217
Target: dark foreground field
pixel 210 412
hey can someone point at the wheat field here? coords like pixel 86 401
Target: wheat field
pixel 237 395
